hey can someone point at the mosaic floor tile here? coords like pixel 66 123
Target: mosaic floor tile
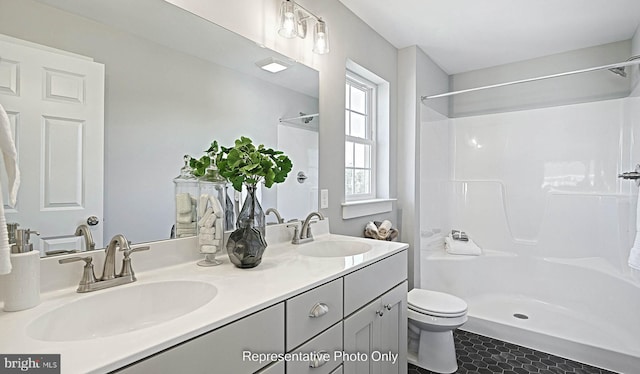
pixel 479 354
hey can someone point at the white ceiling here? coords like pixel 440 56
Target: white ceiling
pixel 464 35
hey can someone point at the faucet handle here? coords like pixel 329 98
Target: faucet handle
pixel 127 270
pixel 129 251
pixel 88 275
pixel 296 235
pixel 88 260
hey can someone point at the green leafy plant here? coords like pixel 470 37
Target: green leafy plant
pixel 200 165
pixel 246 163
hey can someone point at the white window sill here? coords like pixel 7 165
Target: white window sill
pixel 362 208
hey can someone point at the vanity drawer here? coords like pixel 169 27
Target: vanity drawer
pixel 368 283
pixel 325 302
pixel 326 344
pixel 222 350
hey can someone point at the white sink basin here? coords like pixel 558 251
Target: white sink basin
pixel 120 310
pixel 333 248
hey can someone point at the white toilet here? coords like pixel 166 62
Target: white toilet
pixel 432 318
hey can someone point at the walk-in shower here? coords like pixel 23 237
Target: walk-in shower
pixel 537 187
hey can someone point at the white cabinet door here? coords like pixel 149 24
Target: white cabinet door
pixel 55 102
pixel 379 333
pixel 393 331
pixel 360 336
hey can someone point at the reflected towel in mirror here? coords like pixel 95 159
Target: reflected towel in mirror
pixel 10 156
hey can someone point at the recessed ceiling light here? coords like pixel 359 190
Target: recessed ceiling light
pixel 272 65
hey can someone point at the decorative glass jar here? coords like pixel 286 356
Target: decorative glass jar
pixel 186 196
pixel 211 214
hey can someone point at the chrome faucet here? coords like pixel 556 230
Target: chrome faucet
pixel 279 218
pixel 109 269
pixel 305 231
pixel 85 231
pixel 89 282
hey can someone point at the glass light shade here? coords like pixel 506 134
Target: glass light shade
pixel 320 38
pixel 288 25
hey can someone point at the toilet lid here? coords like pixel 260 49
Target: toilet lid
pixel 436 303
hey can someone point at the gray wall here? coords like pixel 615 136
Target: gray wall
pixel 159 105
pixel 351 39
pixel 417 75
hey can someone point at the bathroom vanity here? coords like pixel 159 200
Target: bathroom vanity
pixel 298 312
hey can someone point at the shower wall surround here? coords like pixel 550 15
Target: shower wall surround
pixel 533 180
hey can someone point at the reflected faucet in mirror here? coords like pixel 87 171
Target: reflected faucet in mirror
pixel 279 218
pixel 202 70
pixel 85 231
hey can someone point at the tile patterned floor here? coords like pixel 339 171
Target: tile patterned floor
pixel 479 354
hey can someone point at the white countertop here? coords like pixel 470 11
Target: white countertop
pixel 240 292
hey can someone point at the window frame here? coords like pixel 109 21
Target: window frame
pixel 371 91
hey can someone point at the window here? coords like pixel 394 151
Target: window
pixel 360 138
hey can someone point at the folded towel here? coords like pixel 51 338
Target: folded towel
pixel 207 241
pixel 634 253
pixel 189 226
pixel 183 203
pixel 217 207
pixel 207 214
pixel 208 249
pixel 371 230
pixel 219 229
pixel 202 204
pixel 383 229
pixel 208 230
pixel 10 156
pixel 185 218
pixel 457 247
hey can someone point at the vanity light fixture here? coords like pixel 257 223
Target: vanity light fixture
pixel 293 21
pixel 273 65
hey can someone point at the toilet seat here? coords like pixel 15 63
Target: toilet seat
pixel 437 304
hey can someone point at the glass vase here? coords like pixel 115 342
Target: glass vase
pixel 247 244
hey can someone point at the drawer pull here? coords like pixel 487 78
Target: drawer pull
pixel 318 310
pixel 320 358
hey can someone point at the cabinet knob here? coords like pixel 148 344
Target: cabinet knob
pixel 318 310
pixel 380 313
pixel 320 358
pixel 388 306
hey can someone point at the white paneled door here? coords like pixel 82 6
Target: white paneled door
pixel 55 102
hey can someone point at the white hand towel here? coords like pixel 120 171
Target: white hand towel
pixel 183 203
pixel 10 155
pixel 205 217
pixel 634 253
pixel 217 207
pixel 384 228
pixel 457 247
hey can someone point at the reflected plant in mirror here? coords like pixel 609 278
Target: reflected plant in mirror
pixel 157 90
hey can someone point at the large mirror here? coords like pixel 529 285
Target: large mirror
pixel 173 83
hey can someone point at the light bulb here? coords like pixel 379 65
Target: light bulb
pixel 288 20
pixel 320 38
